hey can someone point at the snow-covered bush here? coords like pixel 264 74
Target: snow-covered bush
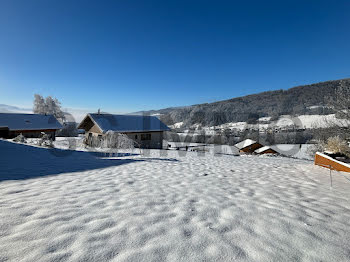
pixel 333 144
pixel 318 147
pixel 116 140
pixel 20 139
pixel 337 145
pixel 46 141
pixel 111 140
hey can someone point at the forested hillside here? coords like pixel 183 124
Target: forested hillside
pixel 308 99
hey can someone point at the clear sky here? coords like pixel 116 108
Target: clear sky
pixel 132 55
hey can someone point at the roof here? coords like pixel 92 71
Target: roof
pixel 126 123
pixel 245 143
pixel 263 149
pixel 28 121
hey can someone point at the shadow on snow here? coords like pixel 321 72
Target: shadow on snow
pixel 18 161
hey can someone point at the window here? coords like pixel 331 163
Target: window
pixel 145 136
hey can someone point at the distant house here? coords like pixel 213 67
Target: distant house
pixel 248 146
pixel 146 131
pixel 265 150
pixel 29 125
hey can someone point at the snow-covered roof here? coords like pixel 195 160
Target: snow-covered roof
pixel 16 121
pixel 263 149
pixel 245 143
pixel 128 123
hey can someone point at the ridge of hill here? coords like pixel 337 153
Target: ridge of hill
pixel 300 100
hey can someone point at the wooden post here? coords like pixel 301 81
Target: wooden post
pixel 330 175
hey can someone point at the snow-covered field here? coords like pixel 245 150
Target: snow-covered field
pixel 295 150
pixel 301 121
pixel 208 148
pixel 169 206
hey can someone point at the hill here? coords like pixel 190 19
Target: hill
pixel 300 100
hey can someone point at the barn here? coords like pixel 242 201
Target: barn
pixel 146 131
pixel 248 146
pixel 29 125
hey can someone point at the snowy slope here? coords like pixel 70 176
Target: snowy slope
pixel 302 121
pixel 169 206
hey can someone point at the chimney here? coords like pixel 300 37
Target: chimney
pixel 98 111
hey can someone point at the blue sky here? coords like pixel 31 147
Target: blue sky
pixel 127 56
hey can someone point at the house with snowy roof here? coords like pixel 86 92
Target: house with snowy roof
pixel 29 125
pixel 248 146
pixel 146 131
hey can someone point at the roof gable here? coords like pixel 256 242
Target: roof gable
pixel 263 149
pixel 127 123
pixel 28 121
pixel 245 143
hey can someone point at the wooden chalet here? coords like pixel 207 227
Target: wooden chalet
pixel 248 146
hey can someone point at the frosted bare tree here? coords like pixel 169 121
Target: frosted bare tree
pixel 39 106
pixel 53 107
pixel 340 103
pixel 48 105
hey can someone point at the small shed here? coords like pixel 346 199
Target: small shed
pixel 265 150
pixel 331 163
pixel 248 146
pixel 29 125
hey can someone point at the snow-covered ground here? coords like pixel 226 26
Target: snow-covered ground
pixel 208 148
pixel 284 121
pixel 289 150
pixel 310 121
pixel 295 150
pixel 177 125
pixel 169 206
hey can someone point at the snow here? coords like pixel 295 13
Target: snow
pixel 234 126
pixel 169 206
pixel 208 148
pixel 245 143
pixel 284 121
pixel 16 121
pixel 300 151
pixel 177 125
pixel 262 149
pixel 309 121
pixel 264 119
pixel 312 121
